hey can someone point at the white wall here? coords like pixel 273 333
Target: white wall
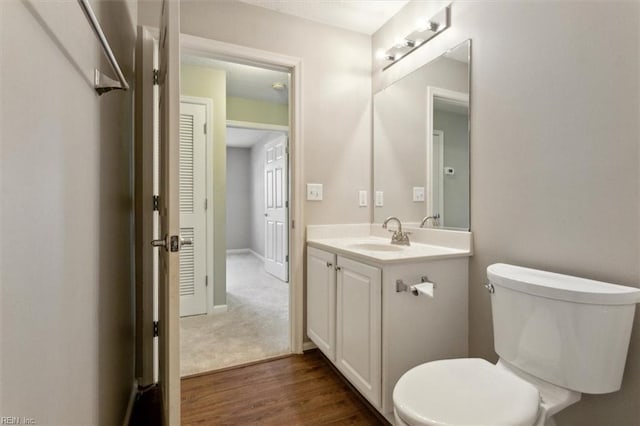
pixel 554 151
pixel 66 215
pixel 336 87
pixel 239 195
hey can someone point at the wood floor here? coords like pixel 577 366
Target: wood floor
pixel 295 390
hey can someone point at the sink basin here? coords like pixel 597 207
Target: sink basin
pixel 376 247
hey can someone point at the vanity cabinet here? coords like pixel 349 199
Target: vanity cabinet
pixel 344 317
pixel 370 331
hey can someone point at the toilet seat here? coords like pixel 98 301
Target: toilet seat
pixel 468 391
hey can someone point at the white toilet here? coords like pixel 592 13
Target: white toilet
pixel 557 337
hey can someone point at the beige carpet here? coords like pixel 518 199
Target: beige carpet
pixel 255 326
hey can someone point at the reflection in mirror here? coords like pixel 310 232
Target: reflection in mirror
pixel 421 144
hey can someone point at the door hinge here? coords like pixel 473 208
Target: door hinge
pixel 156 203
pixel 205 128
pixel 206 203
pixel 156 77
pixel 286 258
pixel 206 280
pixel 286 204
pixel 293 224
pixel 156 329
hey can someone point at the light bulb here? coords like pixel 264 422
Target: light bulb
pixel 422 25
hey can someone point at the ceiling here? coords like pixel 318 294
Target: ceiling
pixel 362 16
pixel 245 81
pixel 246 138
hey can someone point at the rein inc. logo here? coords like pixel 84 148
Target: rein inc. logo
pixel 16 420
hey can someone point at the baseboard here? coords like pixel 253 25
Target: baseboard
pixel 256 254
pixel 238 251
pixel 308 345
pixel 132 399
pixel 245 251
pixel 218 309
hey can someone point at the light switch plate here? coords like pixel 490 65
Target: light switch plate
pixel 314 192
pixel 362 198
pixel 418 194
pixel 379 198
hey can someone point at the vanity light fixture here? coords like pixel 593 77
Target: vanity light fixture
pixel 425 31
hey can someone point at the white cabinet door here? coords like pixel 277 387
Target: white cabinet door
pixel 321 300
pixel 359 327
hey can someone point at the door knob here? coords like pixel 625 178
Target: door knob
pixel 172 243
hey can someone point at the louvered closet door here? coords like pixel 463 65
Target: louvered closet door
pixel 193 297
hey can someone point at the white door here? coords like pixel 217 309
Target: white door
pixel 321 300
pixel 193 221
pixel 146 222
pixel 359 327
pixel 169 265
pixel 276 251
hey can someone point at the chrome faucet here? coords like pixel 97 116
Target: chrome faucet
pixel 435 218
pixel 398 237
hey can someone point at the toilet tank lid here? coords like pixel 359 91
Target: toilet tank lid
pixel 561 287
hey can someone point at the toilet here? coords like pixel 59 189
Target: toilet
pixel 557 336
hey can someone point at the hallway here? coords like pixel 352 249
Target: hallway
pixel 255 326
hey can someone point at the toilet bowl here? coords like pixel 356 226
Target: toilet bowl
pixel 557 337
pixel 472 391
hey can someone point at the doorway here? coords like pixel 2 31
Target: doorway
pixel 246 315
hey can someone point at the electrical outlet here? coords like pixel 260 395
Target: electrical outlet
pixel 418 194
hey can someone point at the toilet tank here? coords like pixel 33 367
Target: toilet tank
pixel 569 331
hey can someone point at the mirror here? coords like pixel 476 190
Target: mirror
pixel 421 144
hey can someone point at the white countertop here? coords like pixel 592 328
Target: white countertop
pixel 356 247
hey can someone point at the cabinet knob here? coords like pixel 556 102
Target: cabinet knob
pixel 329 264
pixel 338 268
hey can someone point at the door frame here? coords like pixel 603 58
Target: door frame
pixel 209 229
pixel 440 211
pixel 432 93
pixel 256 57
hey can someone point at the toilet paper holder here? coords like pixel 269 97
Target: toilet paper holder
pixel 402 286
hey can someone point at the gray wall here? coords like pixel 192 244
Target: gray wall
pixel 66 215
pixel 456 155
pixel 239 195
pixel 554 152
